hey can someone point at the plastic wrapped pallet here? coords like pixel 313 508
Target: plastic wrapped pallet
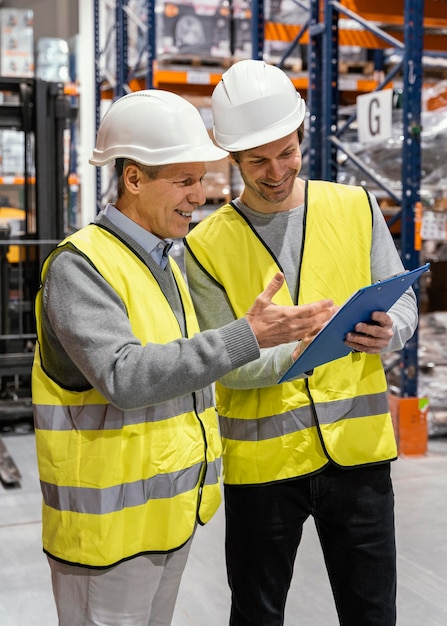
pixel 52 59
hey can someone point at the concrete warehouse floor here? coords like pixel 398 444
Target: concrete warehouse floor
pixel 421 514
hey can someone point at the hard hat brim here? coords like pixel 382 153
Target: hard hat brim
pixel 154 127
pixel 182 154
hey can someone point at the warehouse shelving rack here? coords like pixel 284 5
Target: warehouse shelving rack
pixel 326 134
pixel 413 27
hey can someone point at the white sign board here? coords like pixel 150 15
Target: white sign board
pixel 374 115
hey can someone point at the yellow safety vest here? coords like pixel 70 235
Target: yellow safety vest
pixel 341 411
pixel 115 483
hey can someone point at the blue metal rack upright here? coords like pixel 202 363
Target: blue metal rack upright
pixel 411 168
pixel 257 29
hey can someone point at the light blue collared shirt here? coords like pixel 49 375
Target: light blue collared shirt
pixel 157 248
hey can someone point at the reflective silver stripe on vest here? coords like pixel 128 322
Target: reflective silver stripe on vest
pixel 112 499
pixel 204 399
pixel 108 417
pixel 361 406
pixel 213 472
pixel 259 429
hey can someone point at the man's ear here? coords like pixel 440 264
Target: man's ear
pixel 132 176
pixel 232 159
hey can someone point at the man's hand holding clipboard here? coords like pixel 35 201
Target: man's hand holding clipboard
pixel 372 336
pixel 361 324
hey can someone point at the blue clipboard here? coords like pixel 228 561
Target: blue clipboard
pixel 329 343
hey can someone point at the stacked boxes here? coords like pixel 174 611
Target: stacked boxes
pixel 12 153
pixel 16 42
pixel 185 29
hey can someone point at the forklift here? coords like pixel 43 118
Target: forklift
pixel 34 207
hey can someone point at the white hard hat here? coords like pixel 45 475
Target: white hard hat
pixel 154 127
pixel 254 104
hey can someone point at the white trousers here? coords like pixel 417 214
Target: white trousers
pixel 138 592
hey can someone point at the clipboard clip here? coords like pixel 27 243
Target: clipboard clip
pixel 394 276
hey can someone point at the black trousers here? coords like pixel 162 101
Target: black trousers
pixel 353 510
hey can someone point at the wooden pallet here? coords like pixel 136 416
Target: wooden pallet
pixel 436 72
pixel 356 67
pixel 193 60
pixel 290 64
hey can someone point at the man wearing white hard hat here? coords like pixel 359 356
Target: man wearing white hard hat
pixel 127 438
pixel 320 445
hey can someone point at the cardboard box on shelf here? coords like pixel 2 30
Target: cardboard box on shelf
pixel 12 153
pixel 16 42
pixel 188 31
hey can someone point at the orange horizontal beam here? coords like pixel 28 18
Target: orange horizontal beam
pixel 194 76
pixel 352 37
pixel 172 81
pixel 275 31
pixel 301 83
pixel 71 89
pixel 288 32
pixel 392 11
pixel 16 180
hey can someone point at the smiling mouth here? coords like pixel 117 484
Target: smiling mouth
pixel 185 213
pixel 275 185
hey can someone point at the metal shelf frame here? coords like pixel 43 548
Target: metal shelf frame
pixel 326 134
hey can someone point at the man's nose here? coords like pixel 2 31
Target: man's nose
pixel 197 195
pixel 274 169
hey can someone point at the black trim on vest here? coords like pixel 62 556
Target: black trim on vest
pixel 250 225
pixel 317 423
pixel 211 278
pixel 303 239
pixel 185 319
pixel 197 262
pixel 67 247
pixel 127 558
pixel 139 256
pixel 370 205
pixel 80 389
pixel 123 241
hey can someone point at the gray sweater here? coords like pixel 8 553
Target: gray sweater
pixel 88 342
pixel 283 233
